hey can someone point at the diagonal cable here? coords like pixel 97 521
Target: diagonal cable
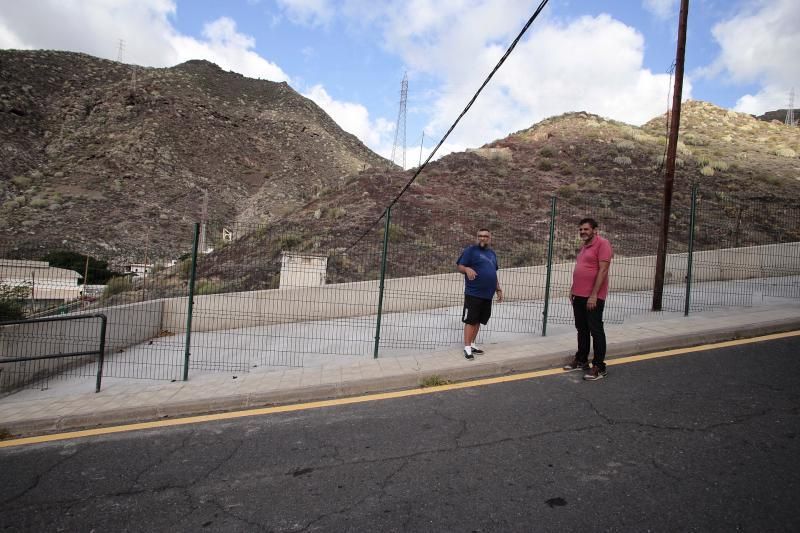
pixel 449 131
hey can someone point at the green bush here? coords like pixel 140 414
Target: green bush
pixel 12 300
pixel 208 287
pixel 707 171
pixel 39 202
pixel 289 242
pixel 117 285
pixel 21 181
pixel 626 145
pixel 395 232
pixel 622 160
pixel 545 165
pixel 185 268
pixel 567 191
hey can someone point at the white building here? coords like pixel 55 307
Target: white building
pixel 45 282
pixel 139 269
pixel 303 270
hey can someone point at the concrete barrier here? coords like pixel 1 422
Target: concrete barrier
pixel 134 323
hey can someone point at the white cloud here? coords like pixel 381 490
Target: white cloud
pixel 354 118
pixel 308 12
pixel 760 45
pixel 96 27
pixel 591 63
pixel 767 99
pixel 228 49
pixel 663 9
pixel 10 40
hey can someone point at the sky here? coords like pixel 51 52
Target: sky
pixel 612 58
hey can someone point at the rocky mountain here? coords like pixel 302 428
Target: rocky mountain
pixel 747 169
pixel 107 158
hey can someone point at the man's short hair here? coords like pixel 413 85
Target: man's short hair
pixel 484 229
pixel 592 222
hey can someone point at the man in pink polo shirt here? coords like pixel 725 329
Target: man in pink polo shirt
pixel 588 295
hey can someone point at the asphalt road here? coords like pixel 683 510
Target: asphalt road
pixel 706 441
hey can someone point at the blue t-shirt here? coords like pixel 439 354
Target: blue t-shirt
pixel 484 263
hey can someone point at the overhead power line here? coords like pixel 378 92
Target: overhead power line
pixel 464 112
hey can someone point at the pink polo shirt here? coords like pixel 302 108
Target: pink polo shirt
pixel 587 265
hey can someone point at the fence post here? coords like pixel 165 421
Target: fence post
pixel 190 307
pixel 383 276
pixel 101 356
pixel 692 217
pixel 549 265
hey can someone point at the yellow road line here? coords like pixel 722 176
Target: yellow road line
pixel 373 397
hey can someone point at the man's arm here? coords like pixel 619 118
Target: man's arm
pixel 602 274
pixel 470 273
pixel 499 291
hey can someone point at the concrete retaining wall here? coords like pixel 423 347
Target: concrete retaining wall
pixel 256 308
pixel 134 323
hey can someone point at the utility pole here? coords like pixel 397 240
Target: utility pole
pixel 120 50
pixel 203 223
pixel 400 129
pixel 144 273
pixel 420 149
pixel 789 121
pixel 85 281
pixel 672 148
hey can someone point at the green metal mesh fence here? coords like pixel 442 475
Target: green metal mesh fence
pixel 281 295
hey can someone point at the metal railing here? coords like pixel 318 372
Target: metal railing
pixel 44 373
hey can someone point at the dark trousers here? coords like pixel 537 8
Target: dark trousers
pixel 590 324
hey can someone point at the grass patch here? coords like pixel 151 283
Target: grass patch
pixel 21 181
pixel 433 381
pixel 567 191
pixel 626 145
pixel 707 171
pixel 117 285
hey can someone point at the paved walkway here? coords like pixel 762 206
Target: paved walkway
pixel 36 412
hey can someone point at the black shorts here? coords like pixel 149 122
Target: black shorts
pixel 476 310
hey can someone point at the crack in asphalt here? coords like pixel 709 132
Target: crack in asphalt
pixel 38 479
pixel 382 485
pixel 459 421
pixel 702 429
pixel 256 526
pixel 161 460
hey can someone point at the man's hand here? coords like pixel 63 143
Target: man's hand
pixel 470 273
pixel 591 303
pixel 499 295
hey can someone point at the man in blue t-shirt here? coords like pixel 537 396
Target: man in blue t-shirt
pixel 478 263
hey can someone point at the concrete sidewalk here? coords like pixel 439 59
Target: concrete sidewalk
pixel 123 402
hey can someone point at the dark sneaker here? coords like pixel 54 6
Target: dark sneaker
pixel 468 355
pixel 476 350
pixel 576 365
pixel 594 374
